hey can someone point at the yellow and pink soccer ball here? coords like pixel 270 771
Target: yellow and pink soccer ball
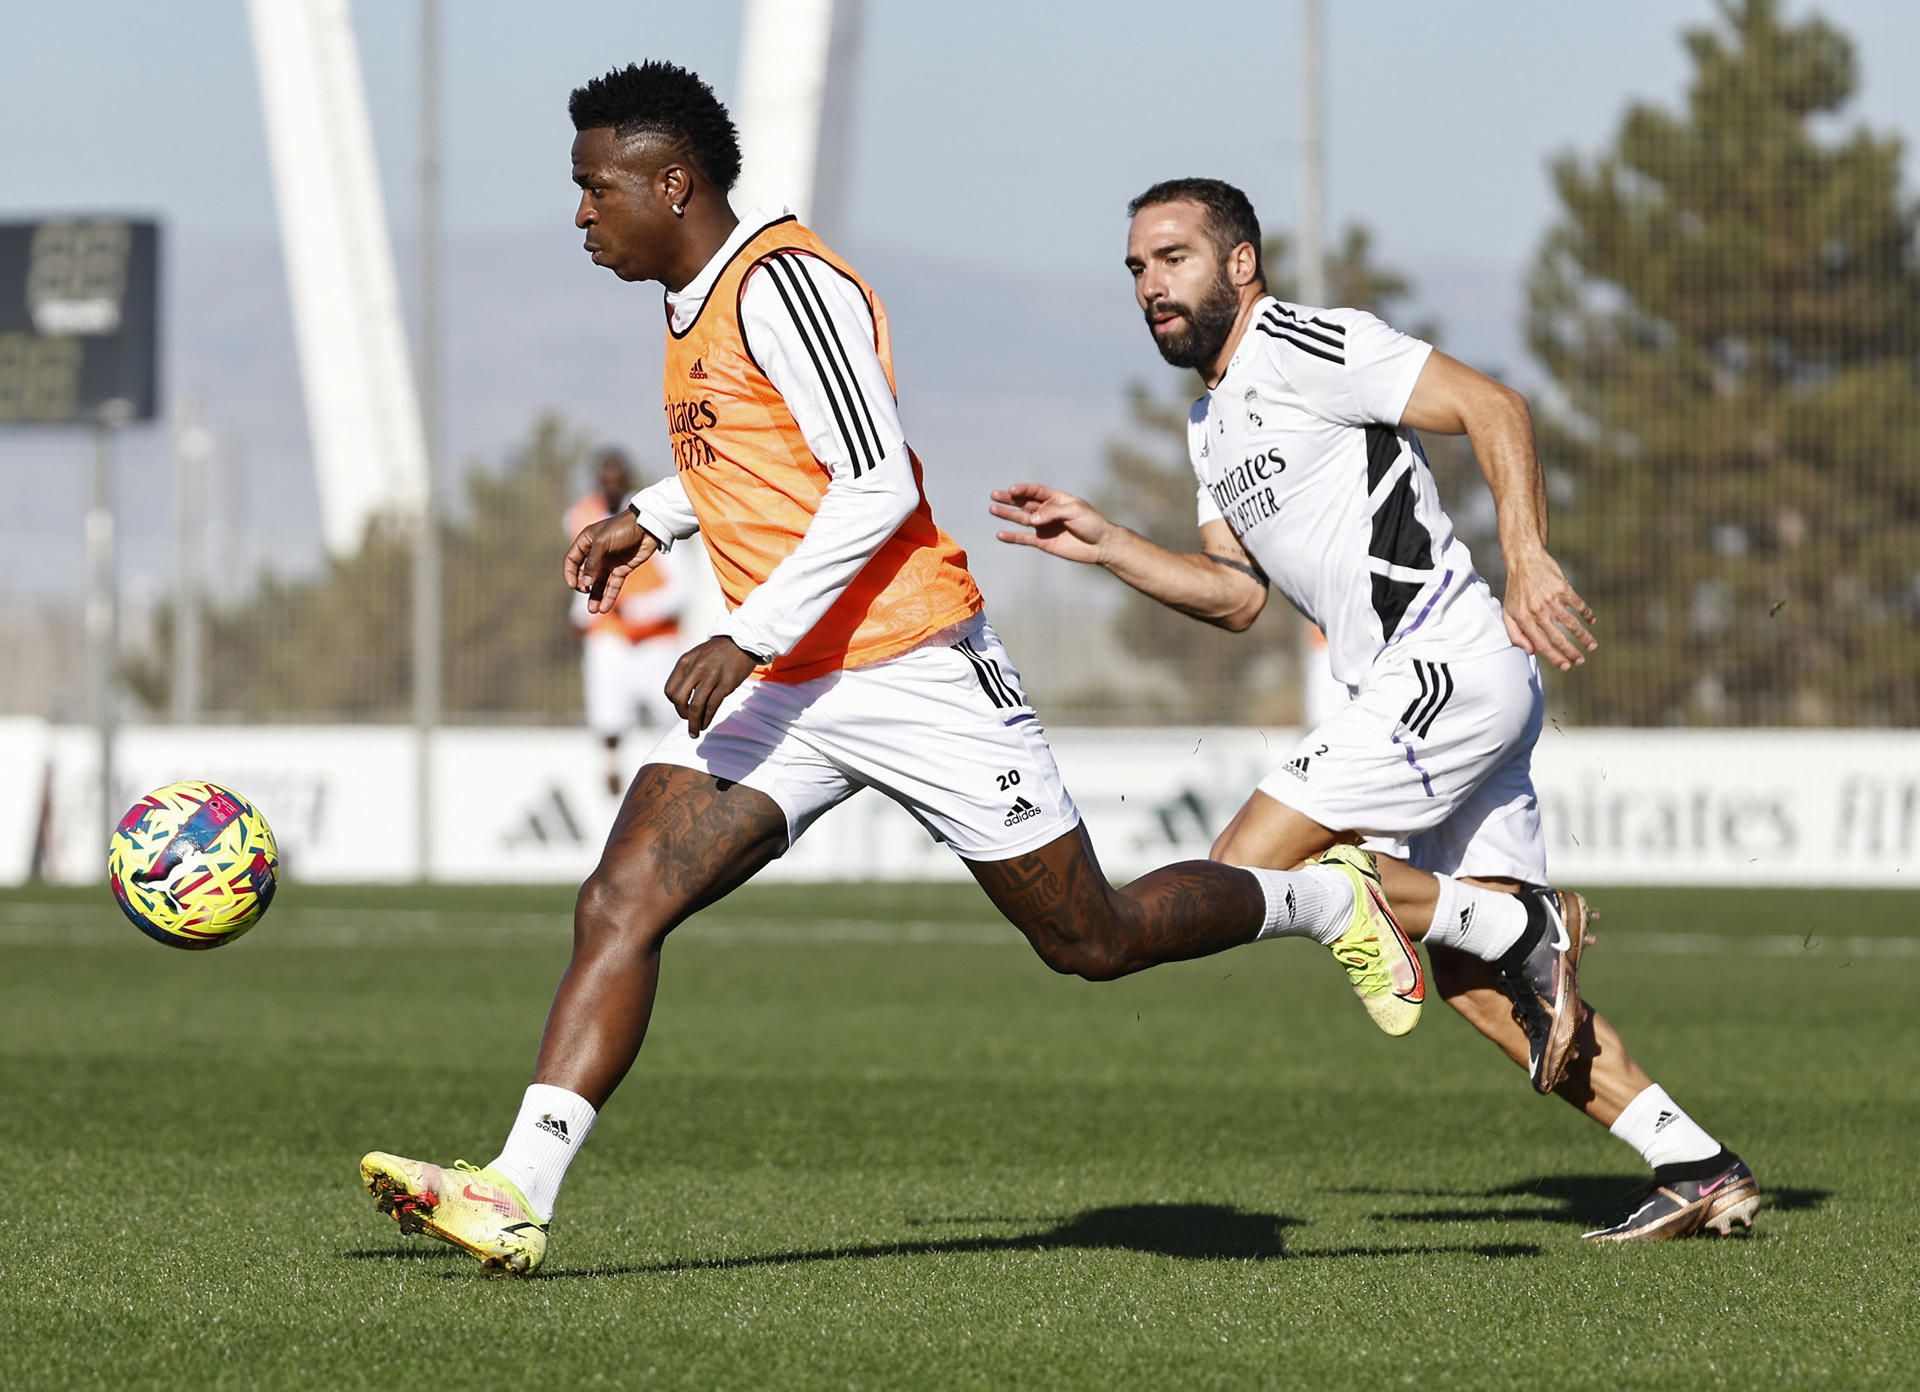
pixel 193 865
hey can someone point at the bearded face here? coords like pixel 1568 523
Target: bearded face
pixel 1192 335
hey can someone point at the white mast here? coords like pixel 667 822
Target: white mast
pixel 363 418
pixel 794 106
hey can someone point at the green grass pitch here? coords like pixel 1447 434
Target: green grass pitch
pixel 874 1143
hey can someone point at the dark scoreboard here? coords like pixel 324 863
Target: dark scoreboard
pixel 79 321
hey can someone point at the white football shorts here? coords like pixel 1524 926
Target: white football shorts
pixel 1433 763
pixel 943 730
pixel 626 682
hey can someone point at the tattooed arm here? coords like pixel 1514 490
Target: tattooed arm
pixel 1219 584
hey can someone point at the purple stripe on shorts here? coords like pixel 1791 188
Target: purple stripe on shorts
pixel 1016 720
pixel 1445 580
pixel 1425 781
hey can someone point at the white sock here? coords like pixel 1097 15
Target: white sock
pixel 1654 1125
pixel 1312 903
pixel 1483 923
pixel 552 1126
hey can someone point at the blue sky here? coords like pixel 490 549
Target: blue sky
pixel 997 144
pixel 972 121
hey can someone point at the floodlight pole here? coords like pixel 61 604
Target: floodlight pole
pixel 103 607
pixel 1313 256
pixel 426 549
pixel 191 446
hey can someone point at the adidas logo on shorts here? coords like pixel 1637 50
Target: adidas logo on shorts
pixel 1297 767
pixel 1021 811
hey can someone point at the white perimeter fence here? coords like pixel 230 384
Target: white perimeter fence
pixel 529 805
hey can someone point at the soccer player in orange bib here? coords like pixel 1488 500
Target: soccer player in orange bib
pixel 627 652
pixel 856 654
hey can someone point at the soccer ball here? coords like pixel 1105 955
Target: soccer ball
pixel 193 865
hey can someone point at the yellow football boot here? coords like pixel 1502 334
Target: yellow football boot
pixel 1380 960
pixel 479 1210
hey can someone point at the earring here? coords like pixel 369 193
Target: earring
pixel 679 210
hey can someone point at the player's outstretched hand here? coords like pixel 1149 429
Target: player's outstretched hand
pixel 1544 614
pixel 604 555
pixel 1058 523
pixel 705 676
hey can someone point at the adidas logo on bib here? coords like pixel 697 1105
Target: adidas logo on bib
pixel 1021 811
pixel 698 371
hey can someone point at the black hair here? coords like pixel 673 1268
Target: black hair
pixel 663 99
pixel 1230 216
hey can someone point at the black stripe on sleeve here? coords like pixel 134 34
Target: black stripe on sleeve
pixel 835 352
pixel 1294 325
pixel 854 443
pixel 1338 330
pixel 812 286
pixel 1277 308
pixel 1300 344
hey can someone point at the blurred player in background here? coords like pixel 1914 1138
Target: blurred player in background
pixel 1311 478
pixel 627 653
pixel 856 655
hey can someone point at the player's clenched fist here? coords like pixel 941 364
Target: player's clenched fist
pixel 1058 523
pixel 704 677
pixel 604 555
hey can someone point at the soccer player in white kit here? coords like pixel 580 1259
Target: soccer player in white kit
pixel 1311 479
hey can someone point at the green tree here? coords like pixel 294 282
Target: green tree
pixel 1730 306
pixel 1222 676
pixel 508 646
pixel 339 644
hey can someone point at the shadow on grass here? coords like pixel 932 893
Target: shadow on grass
pixel 1592 1201
pixel 425 1251
pixel 1192 1232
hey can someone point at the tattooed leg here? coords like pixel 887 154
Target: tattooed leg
pixel 682 840
pixel 1080 924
